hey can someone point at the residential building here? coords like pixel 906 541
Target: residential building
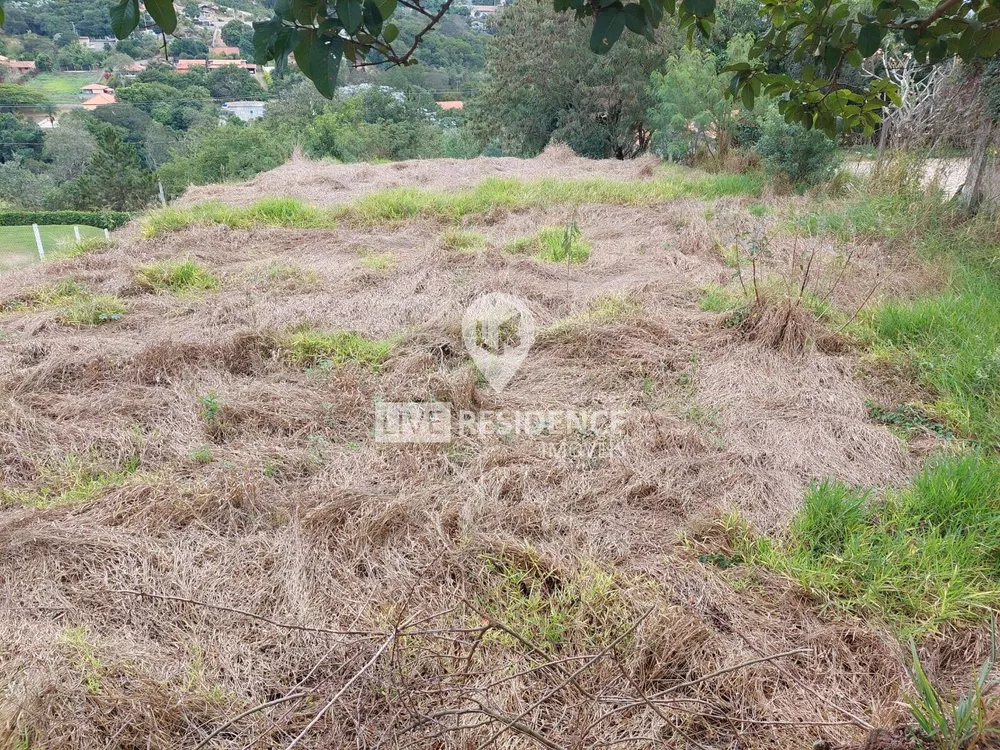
pixel 244 110
pixel 99 100
pixel 93 89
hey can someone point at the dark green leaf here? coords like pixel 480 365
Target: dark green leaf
pixel 390 32
pixel 700 8
pixel 371 18
pixel 124 17
pixel 350 14
pixel 869 39
pixel 386 8
pixel 325 54
pixel 607 28
pixel 164 14
pixel 264 35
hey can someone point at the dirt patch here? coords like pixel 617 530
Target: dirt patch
pixel 176 452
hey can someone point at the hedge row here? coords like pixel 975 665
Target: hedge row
pixel 99 219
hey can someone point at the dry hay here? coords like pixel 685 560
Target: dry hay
pixel 474 577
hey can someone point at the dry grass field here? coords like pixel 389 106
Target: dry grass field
pixel 202 544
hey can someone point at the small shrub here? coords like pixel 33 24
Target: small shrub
pixel 311 348
pixel 174 276
pixel 209 408
pixel 92 311
pixel 793 154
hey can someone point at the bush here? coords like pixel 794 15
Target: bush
pixel 100 219
pixel 793 154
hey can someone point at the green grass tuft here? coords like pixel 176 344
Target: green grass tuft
pixel 462 240
pixel 492 194
pixel 175 276
pixel 917 557
pixel 270 212
pixel 92 311
pixel 554 245
pixel 327 349
pixel 378 261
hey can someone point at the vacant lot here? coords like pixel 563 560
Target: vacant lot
pixel 62 88
pixel 18 245
pixel 201 541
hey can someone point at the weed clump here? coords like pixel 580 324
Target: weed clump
pixel 175 276
pixel 462 240
pixel 554 245
pixel 92 311
pixel 328 349
pixel 378 261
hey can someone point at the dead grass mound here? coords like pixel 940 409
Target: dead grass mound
pixel 202 542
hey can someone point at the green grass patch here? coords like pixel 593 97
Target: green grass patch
pixel 554 245
pixel 378 261
pixel 74 303
pixel 18 246
pixel 462 240
pixel 70 480
pixel 492 194
pixel 607 309
pixel 175 276
pixel 270 212
pixel 558 610
pixel 917 557
pixel 92 311
pixel 328 349
pixel 512 194
pixel 62 88
pixel 716 298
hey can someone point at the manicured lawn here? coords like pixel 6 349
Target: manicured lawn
pixel 17 244
pixel 62 87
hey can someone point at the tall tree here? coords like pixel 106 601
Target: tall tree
pixel 542 83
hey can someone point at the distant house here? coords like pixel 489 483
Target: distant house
pixel 224 52
pixel 216 64
pixel 183 66
pixel 451 105
pixel 244 110
pixel 20 67
pixel 98 44
pixel 93 89
pixel 99 100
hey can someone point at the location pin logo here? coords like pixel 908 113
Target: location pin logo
pixel 498 330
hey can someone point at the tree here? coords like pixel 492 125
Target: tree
pixel 68 149
pixel 825 37
pixel 192 10
pixel 19 139
pixel 188 49
pixel 542 83
pixel 115 179
pixel 238 34
pixel 231 82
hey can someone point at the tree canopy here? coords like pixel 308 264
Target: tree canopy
pixel 824 37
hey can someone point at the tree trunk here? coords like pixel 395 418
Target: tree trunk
pixel 883 138
pixel 972 190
